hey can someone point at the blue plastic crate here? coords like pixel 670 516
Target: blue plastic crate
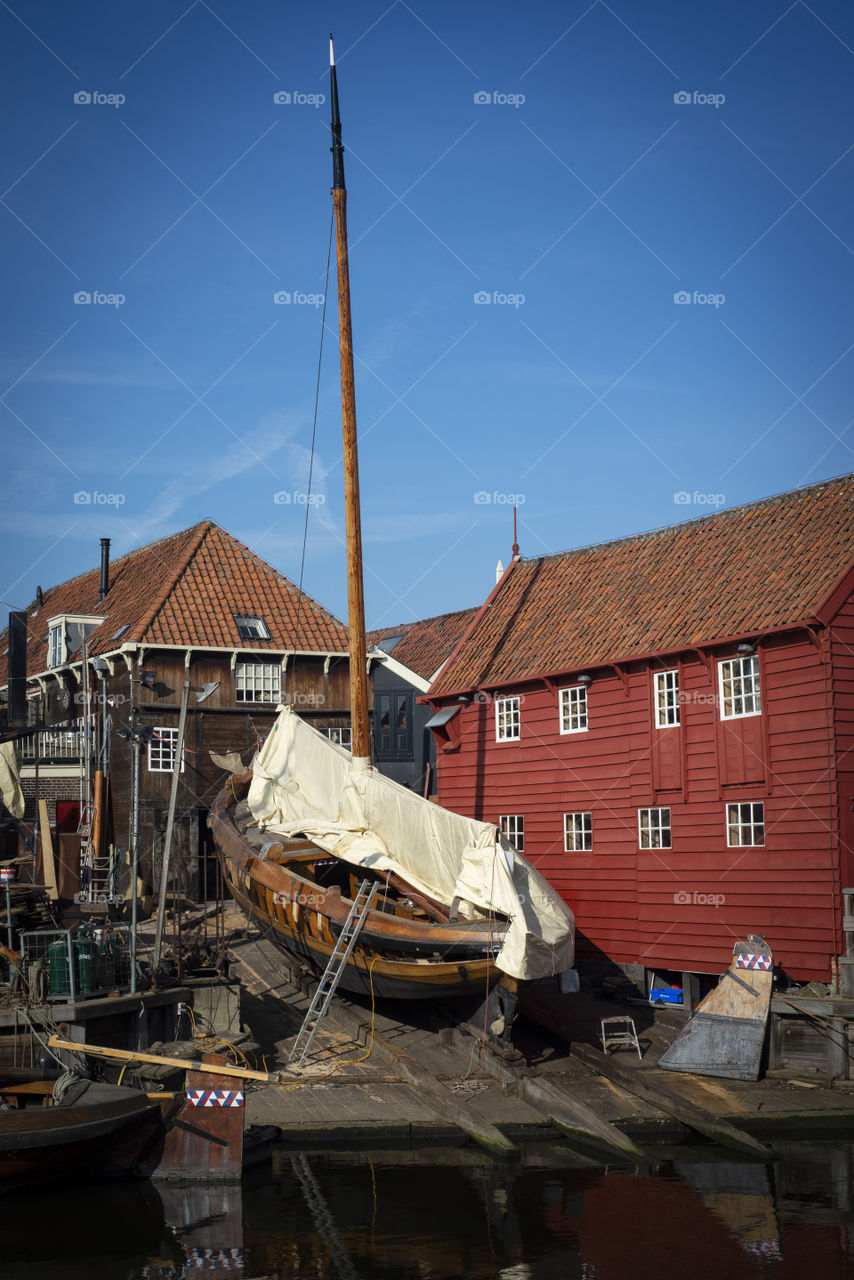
pixel 666 995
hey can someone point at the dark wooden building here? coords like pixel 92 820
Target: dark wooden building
pixel 665 726
pixel 197 603
pixel 404 661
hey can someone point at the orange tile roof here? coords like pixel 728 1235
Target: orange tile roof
pixel 185 590
pixel 739 572
pixel 425 644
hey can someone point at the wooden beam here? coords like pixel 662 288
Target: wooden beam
pixel 48 866
pixel 159 1060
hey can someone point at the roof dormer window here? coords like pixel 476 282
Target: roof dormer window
pixel 66 633
pixel 251 628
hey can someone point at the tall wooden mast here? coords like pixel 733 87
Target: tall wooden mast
pixel 355 586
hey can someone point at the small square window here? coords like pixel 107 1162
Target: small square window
pixel 654 828
pixel 578 832
pixel 666 699
pixel 251 628
pixel 161 750
pixel 342 736
pixel 512 825
pixel 745 825
pixel 739 687
pixel 508 719
pixel 573 709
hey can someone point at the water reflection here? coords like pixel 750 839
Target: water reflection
pixel 439 1215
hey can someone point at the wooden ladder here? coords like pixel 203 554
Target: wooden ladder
pixel 341 953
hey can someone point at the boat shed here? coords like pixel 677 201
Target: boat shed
pixel 664 725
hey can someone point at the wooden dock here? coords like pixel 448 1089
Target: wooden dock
pixel 400 1078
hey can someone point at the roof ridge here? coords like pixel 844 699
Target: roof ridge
pixel 418 622
pixel 683 524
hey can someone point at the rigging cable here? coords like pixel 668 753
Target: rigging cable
pixel 311 456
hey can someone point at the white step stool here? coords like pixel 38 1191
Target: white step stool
pixel 619 1033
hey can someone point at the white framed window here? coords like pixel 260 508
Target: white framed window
pixel 512 825
pixel 654 828
pixel 508 719
pixel 343 736
pixel 56 645
pixel 161 750
pixel 745 824
pixel 577 832
pixel 250 627
pixel 666 699
pixel 257 682
pixel 739 687
pixel 573 709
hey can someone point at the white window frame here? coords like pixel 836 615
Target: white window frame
pixel 508 717
pixel 668 713
pixel 161 750
pixel 578 826
pixel 734 675
pixel 512 825
pixel 251 627
pixel 258 682
pixel 652 836
pixel 573 709
pixel 340 734
pixel 745 823
pixel 56 654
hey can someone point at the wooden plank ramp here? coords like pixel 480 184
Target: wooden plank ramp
pixel 643 1084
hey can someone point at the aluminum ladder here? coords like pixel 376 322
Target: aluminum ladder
pixel 341 953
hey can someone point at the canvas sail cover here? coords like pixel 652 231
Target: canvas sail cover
pixel 10 783
pixel 304 784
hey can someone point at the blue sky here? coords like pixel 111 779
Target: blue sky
pixel 601 258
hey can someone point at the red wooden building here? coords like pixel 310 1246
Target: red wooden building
pixel 665 725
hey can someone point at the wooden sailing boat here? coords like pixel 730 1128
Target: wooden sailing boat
pixel 460 911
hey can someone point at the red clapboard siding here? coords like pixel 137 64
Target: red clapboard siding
pixel 683 907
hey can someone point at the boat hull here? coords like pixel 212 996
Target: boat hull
pixel 109 1131
pixel 394 958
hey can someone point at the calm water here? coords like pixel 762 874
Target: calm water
pixel 426 1216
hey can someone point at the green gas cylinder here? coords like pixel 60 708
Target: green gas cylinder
pixel 86 963
pixel 59 976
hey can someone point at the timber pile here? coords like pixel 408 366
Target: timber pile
pixel 31 906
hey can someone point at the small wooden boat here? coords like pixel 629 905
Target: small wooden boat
pixel 726 1033
pixel 457 901
pixel 90 1128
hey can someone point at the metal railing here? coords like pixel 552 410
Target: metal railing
pixel 51 744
